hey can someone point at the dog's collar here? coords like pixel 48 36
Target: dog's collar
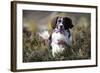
pixel 57 31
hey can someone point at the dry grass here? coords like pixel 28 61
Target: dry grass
pixel 35 49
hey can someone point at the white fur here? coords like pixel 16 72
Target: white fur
pixel 56 38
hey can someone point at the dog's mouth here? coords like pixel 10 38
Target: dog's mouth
pixel 61 30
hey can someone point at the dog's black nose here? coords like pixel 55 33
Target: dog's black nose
pixel 59 21
pixel 61 26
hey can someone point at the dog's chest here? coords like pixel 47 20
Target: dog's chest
pixel 56 37
pixel 66 37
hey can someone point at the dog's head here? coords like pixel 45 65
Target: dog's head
pixel 62 23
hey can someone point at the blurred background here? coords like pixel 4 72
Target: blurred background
pixel 36 48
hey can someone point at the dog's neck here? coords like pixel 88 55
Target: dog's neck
pixel 59 31
pixel 62 31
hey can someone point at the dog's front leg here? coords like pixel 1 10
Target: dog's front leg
pixel 55 49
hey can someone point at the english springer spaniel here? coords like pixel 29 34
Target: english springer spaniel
pixel 61 36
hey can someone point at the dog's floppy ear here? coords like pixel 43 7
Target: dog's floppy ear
pixel 54 22
pixel 67 22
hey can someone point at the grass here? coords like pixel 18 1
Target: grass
pixel 36 50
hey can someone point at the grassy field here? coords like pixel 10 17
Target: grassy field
pixel 36 50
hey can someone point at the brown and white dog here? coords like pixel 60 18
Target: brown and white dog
pixel 61 36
